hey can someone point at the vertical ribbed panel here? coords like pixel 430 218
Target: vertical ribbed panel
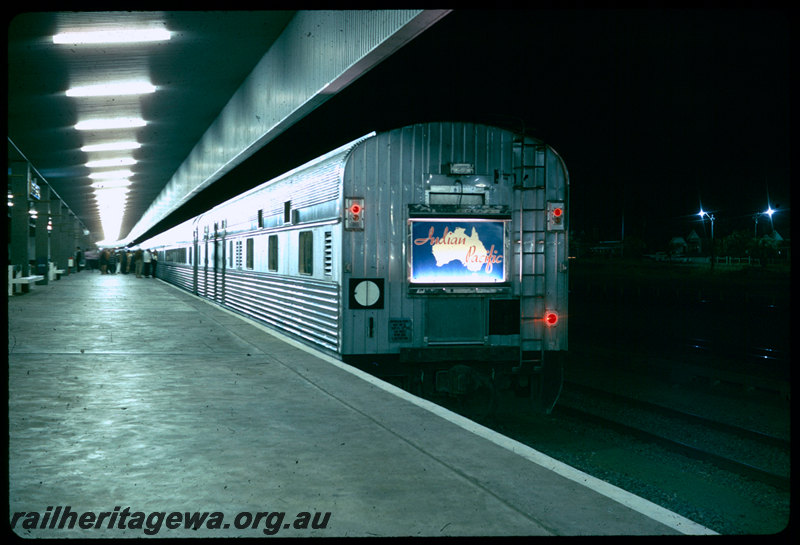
pixel 303 307
pixel 180 275
pixel 391 171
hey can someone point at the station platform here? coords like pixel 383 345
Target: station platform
pixel 137 409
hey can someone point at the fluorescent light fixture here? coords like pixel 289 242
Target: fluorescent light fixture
pixel 110 123
pixel 113 36
pixel 111 192
pixel 108 184
pixel 117 162
pixel 115 203
pixel 111 206
pixel 112 146
pixel 111 202
pixel 111 174
pixel 112 89
pixel 110 212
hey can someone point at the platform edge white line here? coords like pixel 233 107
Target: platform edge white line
pixel 641 505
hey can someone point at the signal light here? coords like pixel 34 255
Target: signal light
pixel 550 318
pixel 555 216
pixel 354 214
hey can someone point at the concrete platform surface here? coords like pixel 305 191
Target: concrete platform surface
pixel 139 410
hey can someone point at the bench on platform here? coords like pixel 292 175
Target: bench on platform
pixel 26 281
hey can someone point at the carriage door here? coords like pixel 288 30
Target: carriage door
pixel 455 321
pixel 202 286
pixel 217 260
pixel 194 259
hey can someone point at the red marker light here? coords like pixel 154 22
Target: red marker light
pixel 551 318
pixel 354 214
pixel 556 216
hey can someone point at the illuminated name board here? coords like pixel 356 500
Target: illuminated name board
pixel 457 251
pixel 33 189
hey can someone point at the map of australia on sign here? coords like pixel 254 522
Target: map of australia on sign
pixel 445 251
pixel 456 246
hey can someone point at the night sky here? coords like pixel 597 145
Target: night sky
pixel 655 112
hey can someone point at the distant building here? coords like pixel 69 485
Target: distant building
pixel 678 246
pixel 693 243
pixel 607 248
pixel 777 244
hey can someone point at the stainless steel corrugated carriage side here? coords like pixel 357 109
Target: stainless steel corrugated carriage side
pixel 435 252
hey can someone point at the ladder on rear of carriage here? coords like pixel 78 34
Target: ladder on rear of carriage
pixel 529 222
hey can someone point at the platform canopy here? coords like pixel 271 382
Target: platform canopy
pixel 197 92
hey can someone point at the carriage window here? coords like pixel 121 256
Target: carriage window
pixel 458 199
pixel 287 212
pixel 249 253
pixel 306 252
pixel 176 255
pixel 273 253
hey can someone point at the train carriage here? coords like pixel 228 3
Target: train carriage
pixel 434 254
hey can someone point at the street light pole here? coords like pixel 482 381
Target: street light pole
pixel 703 213
pixel 769 211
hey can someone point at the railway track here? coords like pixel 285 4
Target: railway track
pixel 732 479
pixel 748 453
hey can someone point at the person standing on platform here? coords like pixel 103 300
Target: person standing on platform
pixel 147 258
pixel 153 263
pixel 78 258
pixel 104 261
pixel 138 258
pixel 91 260
pixel 112 261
